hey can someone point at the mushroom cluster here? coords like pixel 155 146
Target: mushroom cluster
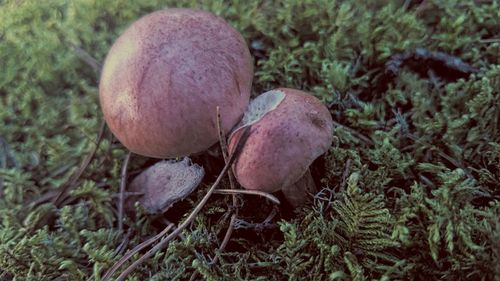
pixel 160 85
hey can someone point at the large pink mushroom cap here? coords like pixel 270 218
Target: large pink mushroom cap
pixel 164 77
pixel 289 130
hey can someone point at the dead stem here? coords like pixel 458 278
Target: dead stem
pixel 490 40
pixel 222 246
pixel 191 216
pixel 234 217
pixel 87 58
pixel 85 163
pixel 227 236
pixel 136 249
pixel 96 66
pixel 223 147
pixel 123 185
pixel 229 231
pixel 453 161
pixel 47 196
pixel 249 192
pixel 362 137
pixel 123 245
pixel 345 175
pixel 241 224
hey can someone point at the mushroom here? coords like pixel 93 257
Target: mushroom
pixel 165 183
pixel 164 77
pixel 161 83
pixel 289 130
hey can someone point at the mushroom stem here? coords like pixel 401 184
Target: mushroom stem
pixel 298 193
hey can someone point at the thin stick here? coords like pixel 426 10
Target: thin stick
pixel 455 162
pixel 345 175
pixel 123 244
pixel 123 185
pixel 127 194
pixel 96 66
pixel 87 58
pixel 249 192
pixel 223 147
pixel 136 249
pixel 258 226
pixel 356 133
pixel 227 236
pixel 191 216
pixel 490 40
pixel 85 163
pixel 222 246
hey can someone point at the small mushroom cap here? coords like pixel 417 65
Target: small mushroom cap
pixel 165 183
pixel 164 77
pixel 284 142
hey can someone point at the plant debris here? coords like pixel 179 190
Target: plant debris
pixel 422 60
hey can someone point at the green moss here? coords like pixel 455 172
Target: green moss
pixel 409 188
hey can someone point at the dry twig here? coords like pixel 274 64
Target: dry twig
pixel 362 137
pixel 134 251
pixel 266 224
pixel 96 66
pixel 345 175
pixel 249 192
pixel 223 147
pixel 123 184
pixel 87 58
pixel 85 163
pixel 224 150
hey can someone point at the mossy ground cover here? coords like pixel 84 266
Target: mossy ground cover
pixel 409 189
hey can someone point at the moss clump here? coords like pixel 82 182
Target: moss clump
pixel 410 187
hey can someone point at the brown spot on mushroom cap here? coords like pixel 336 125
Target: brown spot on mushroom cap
pixel 164 77
pixel 165 183
pixel 283 143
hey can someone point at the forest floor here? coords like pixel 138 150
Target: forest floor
pixel 409 189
